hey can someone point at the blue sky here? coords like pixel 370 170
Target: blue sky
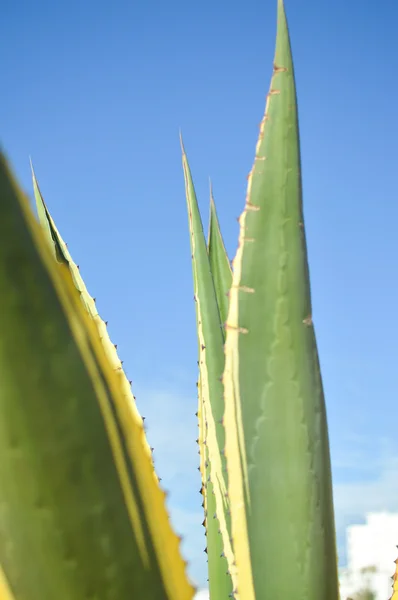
pixel 96 94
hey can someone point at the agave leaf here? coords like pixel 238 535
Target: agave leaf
pixel 5 592
pixel 395 583
pixel 219 262
pixel 47 223
pixel 222 279
pixel 219 583
pixel 63 257
pixel 211 365
pixel 81 515
pixel 276 432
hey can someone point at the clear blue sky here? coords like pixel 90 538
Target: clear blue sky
pixel 96 93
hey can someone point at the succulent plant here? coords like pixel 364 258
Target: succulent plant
pixel 82 513
pixel 263 428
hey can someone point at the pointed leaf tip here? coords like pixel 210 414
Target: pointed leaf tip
pixel 182 143
pixel 32 171
pixel 281 16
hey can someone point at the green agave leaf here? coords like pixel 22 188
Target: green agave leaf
pixel 211 431
pixel 81 514
pixel 63 257
pixel 277 445
pixel 219 262
pixel 222 280
pixel 219 581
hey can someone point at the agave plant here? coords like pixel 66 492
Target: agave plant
pixel 264 438
pixel 82 514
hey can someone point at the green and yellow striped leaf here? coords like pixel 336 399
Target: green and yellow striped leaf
pixel 5 592
pixel 81 515
pixel 63 257
pixel 220 583
pixel 211 404
pixel 219 262
pixel 277 445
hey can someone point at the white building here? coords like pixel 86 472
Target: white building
pixel 371 552
pixel 202 595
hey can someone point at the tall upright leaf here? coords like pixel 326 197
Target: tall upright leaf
pixel 63 258
pixel 81 515
pixel 276 434
pixel 219 262
pixel 211 434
